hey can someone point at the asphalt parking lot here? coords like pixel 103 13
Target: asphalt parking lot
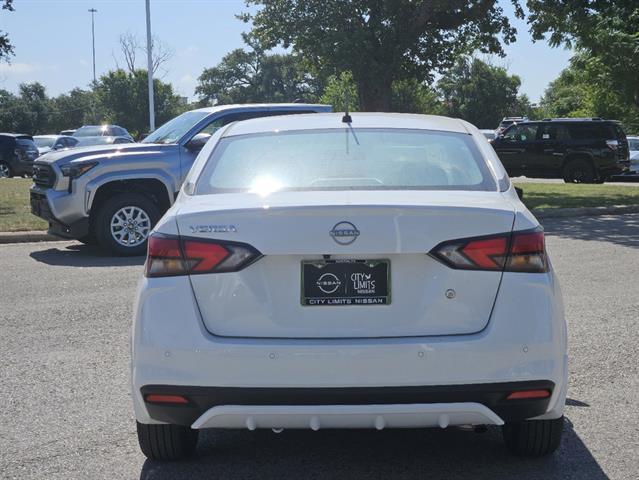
pixel 66 413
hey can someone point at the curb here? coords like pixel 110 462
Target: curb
pixel 29 236
pixel 585 211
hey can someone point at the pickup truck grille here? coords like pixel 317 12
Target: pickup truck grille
pixel 43 175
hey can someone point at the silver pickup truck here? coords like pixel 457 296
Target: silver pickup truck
pixel 113 195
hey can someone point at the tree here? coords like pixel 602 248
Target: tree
pixel 379 41
pixel 131 47
pixel 123 99
pixel 607 33
pixel 339 90
pixel 6 48
pixel 253 76
pixel 480 93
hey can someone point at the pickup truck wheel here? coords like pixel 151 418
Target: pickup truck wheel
pixel 123 223
pixel 533 438
pixel 579 171
pixel 5 170
pixel 166 442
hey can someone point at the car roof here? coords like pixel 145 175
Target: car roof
pixel 15 135
pixel 49 136
pixel 257 106
pixel 321 121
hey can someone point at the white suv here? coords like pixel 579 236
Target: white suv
pixel 373 271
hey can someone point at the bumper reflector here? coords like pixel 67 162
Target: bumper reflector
pixel 160 398
pixel 528 394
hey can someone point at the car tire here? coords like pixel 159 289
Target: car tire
pixel 533 438
pixel 167 442
pixel 131 239
pixel 5 170
pixel 579 171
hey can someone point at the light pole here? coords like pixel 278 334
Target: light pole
pixel 149 54
pixel 93 11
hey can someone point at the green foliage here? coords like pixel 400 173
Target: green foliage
pixel 6 48
pixel 338 89
pixel 481 93
pixel 606 35
pixel 122 98
pixel 118 97
pixel 411 96
pixel 584 89
pixel 379 41
pixel 252 76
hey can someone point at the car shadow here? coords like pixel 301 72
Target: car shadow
pixel 619 229
pixel 410 454
pixel 80 255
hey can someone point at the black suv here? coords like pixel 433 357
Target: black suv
pixel 17 153
pixel 579 150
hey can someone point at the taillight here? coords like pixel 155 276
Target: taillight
pixel 517 252
pixel 171 255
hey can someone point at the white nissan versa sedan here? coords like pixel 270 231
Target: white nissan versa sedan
pixel 320 273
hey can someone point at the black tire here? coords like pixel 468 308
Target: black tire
pixel 106 213
pixel 533 438
pixel 5 170
pixel 579 171
pixel 167 442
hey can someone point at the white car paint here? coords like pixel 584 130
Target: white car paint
pixel 247 329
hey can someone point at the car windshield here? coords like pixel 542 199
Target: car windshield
pixel 44 141
pixel 91 131
pixel 633 143
pixel 175 129
pixel 343 159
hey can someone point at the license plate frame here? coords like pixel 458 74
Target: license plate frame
pixel 345 282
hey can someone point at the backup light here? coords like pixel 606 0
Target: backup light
pixel 522 251
pixel 173 255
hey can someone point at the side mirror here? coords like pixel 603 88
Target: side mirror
pixel 520 193
pixel 197 142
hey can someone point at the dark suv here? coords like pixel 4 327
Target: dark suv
pixel 579 150
pixel 17 153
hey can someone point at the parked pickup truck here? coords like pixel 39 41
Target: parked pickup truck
pixel 113 195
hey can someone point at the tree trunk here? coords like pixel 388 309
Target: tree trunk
pixel 374 92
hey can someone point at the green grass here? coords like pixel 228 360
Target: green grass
pixel 562 195
pixel 15 211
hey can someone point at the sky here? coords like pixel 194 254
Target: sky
pixel 52 40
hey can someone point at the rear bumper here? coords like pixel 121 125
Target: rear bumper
pixel 525 341
pixel 296 407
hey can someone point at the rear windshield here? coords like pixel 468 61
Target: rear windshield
pixel 26 142
pixel 93 131
pixel 346 159
pixel 44 141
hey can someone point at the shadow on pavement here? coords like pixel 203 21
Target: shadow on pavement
pixel 619 229
pixel 79 255
pixel 356 454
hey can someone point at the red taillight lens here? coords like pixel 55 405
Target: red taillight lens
pixel 170 256
pixel 516 252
